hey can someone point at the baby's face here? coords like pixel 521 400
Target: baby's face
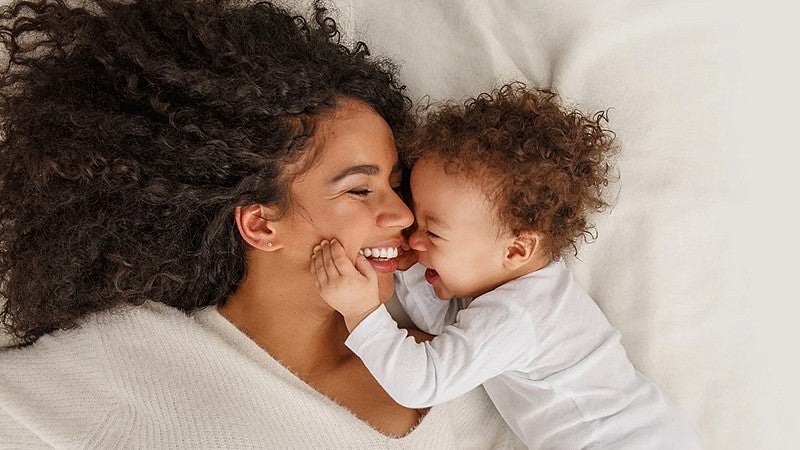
pixel 457 236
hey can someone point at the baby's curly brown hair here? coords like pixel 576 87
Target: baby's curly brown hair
pixel 543 166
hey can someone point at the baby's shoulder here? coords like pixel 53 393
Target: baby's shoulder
pixel 546 294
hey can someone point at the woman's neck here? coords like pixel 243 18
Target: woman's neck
pixel 280 309
pixel 289 320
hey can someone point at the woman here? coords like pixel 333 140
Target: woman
pixel 166 168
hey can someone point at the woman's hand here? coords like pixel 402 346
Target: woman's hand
pixel 350 289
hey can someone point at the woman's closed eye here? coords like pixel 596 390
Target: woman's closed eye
pixel 360 192
pixel 363 192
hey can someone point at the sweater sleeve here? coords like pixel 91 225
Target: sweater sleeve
pixel 489 338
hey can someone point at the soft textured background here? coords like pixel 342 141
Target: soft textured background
pixel 695 262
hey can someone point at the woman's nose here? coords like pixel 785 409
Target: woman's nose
pixel 395 213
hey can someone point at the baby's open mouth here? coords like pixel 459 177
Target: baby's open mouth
pixel 431 276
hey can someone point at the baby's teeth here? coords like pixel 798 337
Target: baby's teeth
pixel 367 252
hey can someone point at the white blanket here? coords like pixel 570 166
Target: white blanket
pixel 674 267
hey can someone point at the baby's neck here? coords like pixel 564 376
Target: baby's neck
pixel 531 266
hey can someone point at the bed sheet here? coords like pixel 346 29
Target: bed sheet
pixel 672 267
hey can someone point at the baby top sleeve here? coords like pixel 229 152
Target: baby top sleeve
pixel 489 337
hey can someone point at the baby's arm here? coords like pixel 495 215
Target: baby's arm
pixel 488 339
pixel 350 289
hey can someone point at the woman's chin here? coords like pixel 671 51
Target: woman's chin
pixel 384 268
pixel 385 286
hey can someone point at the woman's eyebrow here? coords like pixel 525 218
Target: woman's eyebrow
pixel 362 169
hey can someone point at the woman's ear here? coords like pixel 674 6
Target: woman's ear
pixel 522 249
pixel 257 228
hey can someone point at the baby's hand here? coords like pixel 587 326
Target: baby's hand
pixel 350 289
pixel 407 258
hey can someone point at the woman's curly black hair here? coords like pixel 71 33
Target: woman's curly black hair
pixel 544 167
pixel 130 131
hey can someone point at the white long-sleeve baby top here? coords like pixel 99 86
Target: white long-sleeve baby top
pixel 546 355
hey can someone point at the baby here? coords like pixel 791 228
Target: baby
pixel 502 187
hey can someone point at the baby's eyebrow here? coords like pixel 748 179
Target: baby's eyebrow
pixel 431 219
pixel 436 222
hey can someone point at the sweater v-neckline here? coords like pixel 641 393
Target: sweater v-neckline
pixel 211 317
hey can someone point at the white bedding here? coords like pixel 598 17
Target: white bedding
pixel 674 267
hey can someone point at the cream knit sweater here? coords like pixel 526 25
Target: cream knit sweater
pixel 151 377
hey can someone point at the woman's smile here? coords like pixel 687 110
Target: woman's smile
pixel 383 257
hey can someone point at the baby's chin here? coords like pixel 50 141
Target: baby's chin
pixel 442 292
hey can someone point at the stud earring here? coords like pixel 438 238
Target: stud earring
pixel 269 244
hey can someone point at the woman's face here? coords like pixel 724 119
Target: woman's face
pixel 350 192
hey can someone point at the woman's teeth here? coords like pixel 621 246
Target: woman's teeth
pixel 384 252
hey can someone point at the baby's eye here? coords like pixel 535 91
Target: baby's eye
pixel 360 192
pixel 432 235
